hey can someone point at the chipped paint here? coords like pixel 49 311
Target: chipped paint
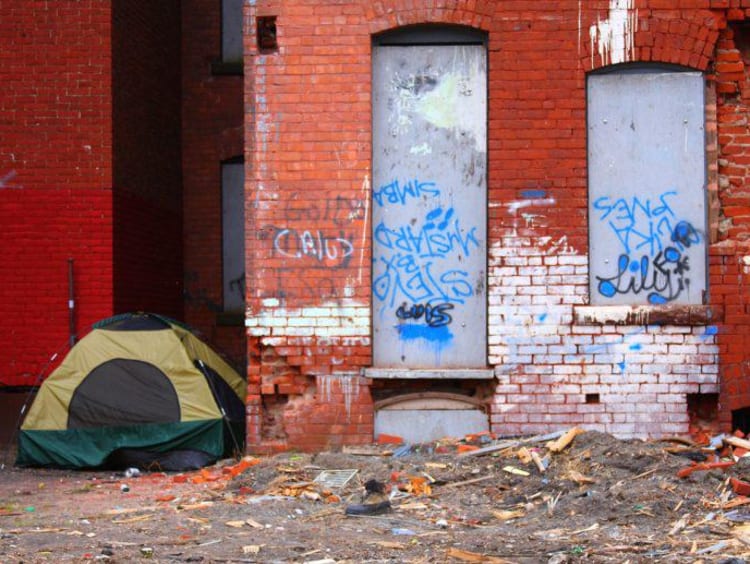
pixel 446 105
pixel 422 149
pixel 614 38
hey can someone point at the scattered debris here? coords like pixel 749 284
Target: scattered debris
pixel 568 495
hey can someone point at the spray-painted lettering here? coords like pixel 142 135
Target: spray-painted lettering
pixel 653 244
pixel 398 193
pixel 434 315
pixel 291 243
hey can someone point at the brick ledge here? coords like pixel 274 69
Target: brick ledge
pixel 647 315
pixel 434 374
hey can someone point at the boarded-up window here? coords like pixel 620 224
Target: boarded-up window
pixel 647 213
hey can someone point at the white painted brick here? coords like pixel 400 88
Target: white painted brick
pixel 566 349
pixel 588 379
pixel 638 358
pixel 525 379
pixel 513 358
pixel 573 259
pixel 562 270
pixel 675 329
pixel 532 349
pixel 551 418
pixel 258 331
pixel 551 379
pixel 671 398
pixel 608 358
pixel 660 369
pixel 549 280
pixel 563 408
pixel 547 358
pixel 535 408
pixel 617 391
pixel 568 369
pixel 516 261
pixel 532 290
pixel 562 290
pixel 300 331
pixel 503 271
pixel 597 369
pixel 683 349
pixel 566 389
pixel 622 430
pixel 521 398
pixel 507 389
pixel 709 388
pixel 599 419
pixel 669 339
pixel 681 368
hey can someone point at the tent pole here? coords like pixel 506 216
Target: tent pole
pixel 204 370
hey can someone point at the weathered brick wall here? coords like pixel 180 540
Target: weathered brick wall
pixel 211 132
pixel 55 176
pixel 557 360
pixel 730 275
pixel 147 163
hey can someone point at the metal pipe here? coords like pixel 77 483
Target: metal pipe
pixel 71 305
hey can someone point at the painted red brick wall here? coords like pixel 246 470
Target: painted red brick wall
pixel 212 132
pixel 146 89
pixel 308 139
pixel 56 177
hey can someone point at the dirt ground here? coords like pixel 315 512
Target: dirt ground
pixel 599 500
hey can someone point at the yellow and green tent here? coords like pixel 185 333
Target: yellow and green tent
pixel 138 390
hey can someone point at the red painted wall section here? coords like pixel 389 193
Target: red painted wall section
pixel 147 157
pixel 55 177
pixel 308 145
pixel 212 116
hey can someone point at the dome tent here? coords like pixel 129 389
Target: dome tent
pixel 138 390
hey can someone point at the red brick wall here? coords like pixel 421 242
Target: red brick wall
pixel 212 131
pixel 308 150
pixel 55 165
pixel 731 256
pixel 147 157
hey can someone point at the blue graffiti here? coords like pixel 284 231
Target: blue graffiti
pixel 663 277
pixel 397 193
pixel 413 262
pixel 533 194
pixel 440 235
pixel 406 279
pixel 410 332
pixel 640 225
pixel 652 259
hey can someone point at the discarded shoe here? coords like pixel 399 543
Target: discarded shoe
pixel 374 502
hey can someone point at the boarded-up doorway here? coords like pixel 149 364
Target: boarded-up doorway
pixel 430 199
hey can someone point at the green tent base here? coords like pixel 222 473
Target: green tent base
pixel 93 448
